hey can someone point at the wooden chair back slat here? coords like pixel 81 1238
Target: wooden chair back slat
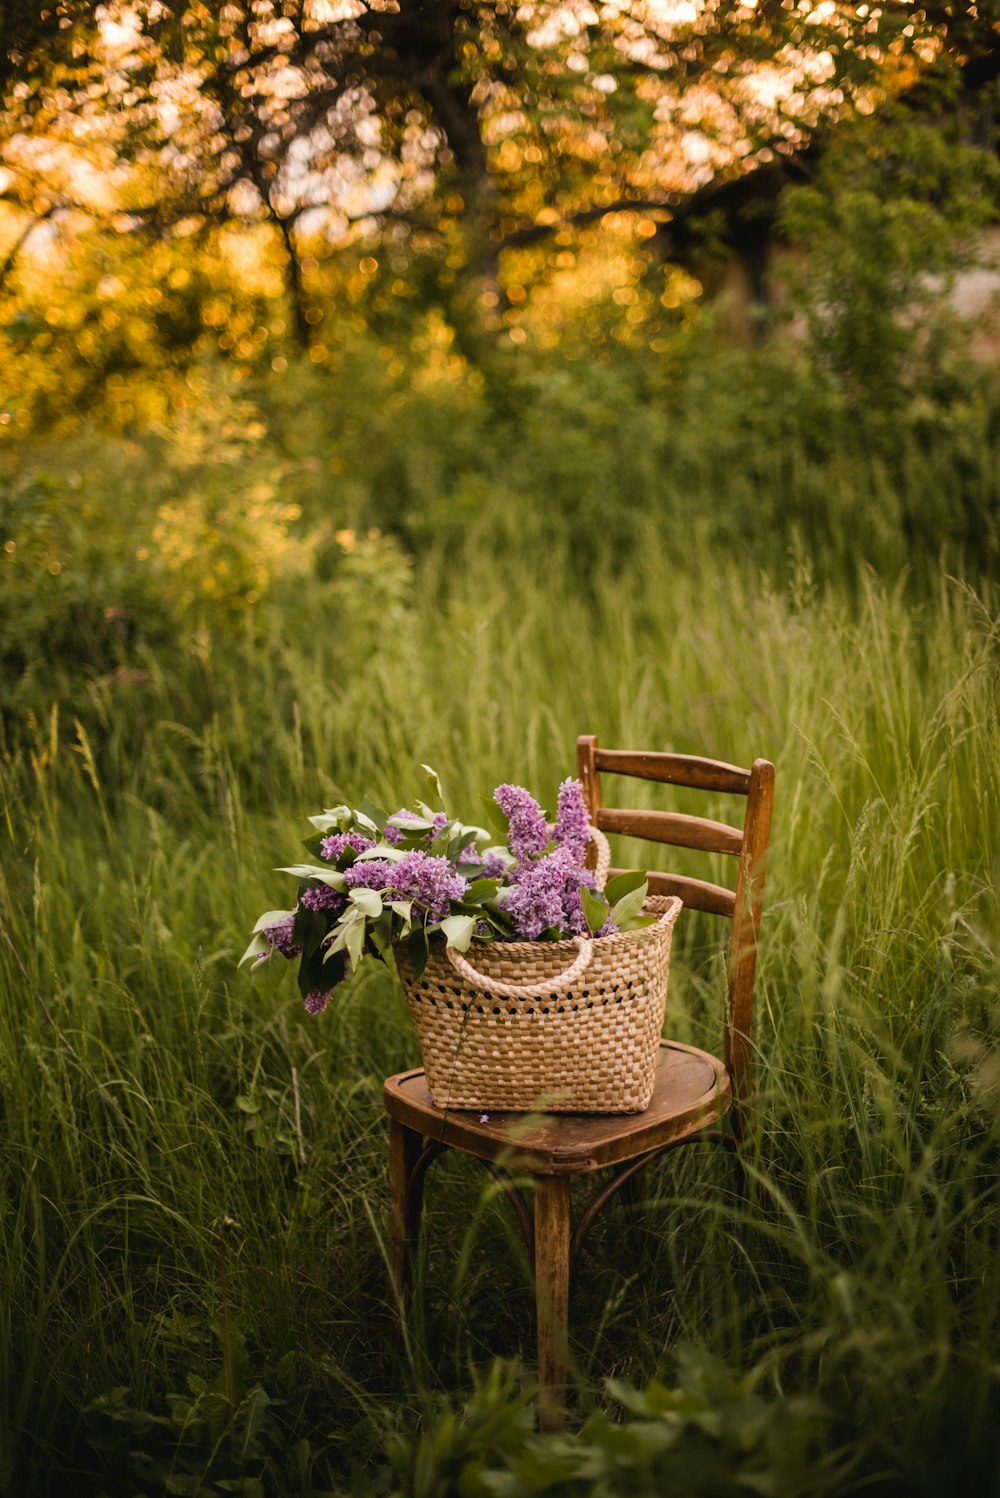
pixel 697 894
pixel 674 769
pixel 672 827
pixel 743 906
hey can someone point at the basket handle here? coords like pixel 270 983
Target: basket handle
pixel 556 985
pixel 603 855
pixel 524 990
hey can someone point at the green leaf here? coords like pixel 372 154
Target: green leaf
pixel 402 908
pixel 459 836
pixel 480 890
pixel 497 819
pixel 323 874
pixel 338 936
pixel 312 973
pixel 624 884
pixel 257 947
pixel 271 918
pixel 413 828
pixel 418 949
pixel 381 850
pixel 380 932
pixel 368 901
pixel 374 813
pixel 458 931
pixel 629 906
pixel 335 817
pixel 332 971
pixel 433 784
pixel 356 943
pixel 497 916
pixel 310 929
pixel 595 909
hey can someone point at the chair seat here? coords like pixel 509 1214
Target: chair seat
pixel 691 1091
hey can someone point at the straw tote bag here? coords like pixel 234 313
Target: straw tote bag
pixel 562 1026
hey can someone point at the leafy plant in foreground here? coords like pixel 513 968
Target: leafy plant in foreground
pixel 712 1435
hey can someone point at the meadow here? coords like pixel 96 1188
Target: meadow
pixel 344 580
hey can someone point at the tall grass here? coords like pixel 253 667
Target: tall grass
pixel 193 1212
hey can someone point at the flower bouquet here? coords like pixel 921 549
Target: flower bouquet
pixel 529 984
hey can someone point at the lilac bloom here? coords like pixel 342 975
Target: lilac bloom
pixel 279 936
pixel 573 819
pixel 535 901
pixel 331 848
pixel 574 919
pixel 428 881
pixel 321 897
pixel 316 1001
pixel 529 831
pixel 373 873
pixel 494 866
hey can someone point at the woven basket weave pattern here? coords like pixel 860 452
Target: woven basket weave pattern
pixel 588 1048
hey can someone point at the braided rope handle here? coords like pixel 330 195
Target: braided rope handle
pixel 550 986
pixel 603 855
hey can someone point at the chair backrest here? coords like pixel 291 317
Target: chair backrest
pixel 748 844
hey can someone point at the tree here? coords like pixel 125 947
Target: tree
pixel 452 128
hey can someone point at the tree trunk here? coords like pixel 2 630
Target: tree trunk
pixel 296 289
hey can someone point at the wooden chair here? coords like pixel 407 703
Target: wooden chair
pixel 694 1091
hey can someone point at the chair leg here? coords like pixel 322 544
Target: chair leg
pixel 404 1204
pixel 743 1139
pixel 552 1209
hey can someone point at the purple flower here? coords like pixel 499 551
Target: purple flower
pixel 529 832
pixel 321 897
pixel 574 919
pixel 372 873
pixel 331 848
pixel 573 819
pixel 280 937
pixel 316 1001
pixel 494 866
pixel 428 881
pixel 536 899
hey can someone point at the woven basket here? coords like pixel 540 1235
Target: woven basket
pixel 565 1026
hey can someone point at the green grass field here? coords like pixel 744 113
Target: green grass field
pixel 193 1216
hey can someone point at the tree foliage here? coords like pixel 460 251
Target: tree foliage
pixel 452 130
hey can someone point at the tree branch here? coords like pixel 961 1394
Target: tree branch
pixel 18 245
pixel 532 233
